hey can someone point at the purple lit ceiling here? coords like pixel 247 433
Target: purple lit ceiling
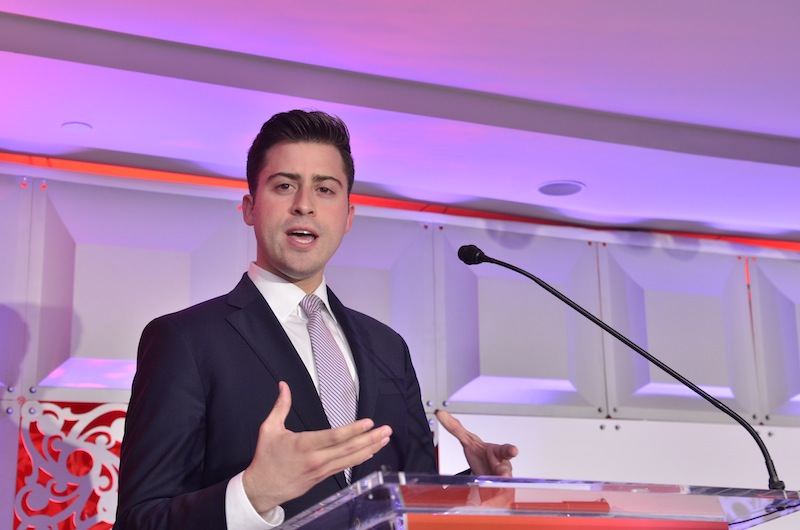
pixel 675 114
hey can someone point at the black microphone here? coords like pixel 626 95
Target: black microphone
pixel 471 255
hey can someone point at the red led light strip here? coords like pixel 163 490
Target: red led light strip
pixel 110 170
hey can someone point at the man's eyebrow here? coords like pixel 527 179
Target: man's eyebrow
pixel 282 174
pixel 295 177
pixel 323 178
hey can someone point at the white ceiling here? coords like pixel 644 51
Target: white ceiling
pixel 675 114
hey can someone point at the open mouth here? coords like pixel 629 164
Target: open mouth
pixel 303 236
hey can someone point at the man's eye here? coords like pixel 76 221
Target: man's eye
pixel 324 189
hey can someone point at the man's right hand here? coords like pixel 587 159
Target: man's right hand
pixel 288 464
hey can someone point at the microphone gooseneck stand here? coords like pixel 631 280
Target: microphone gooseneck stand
pixel 472 255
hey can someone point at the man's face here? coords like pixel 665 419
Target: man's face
pixel 300 211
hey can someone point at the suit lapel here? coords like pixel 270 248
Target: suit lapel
pixel 259 327
pixel 363 357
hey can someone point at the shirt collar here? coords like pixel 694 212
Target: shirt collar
pixel 283 296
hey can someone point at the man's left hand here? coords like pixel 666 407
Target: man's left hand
pixel 483 458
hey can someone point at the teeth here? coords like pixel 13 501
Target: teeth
pixel 302 233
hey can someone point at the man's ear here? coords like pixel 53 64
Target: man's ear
pixel 247 209
pixel 349 224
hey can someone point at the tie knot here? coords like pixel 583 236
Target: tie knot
pixel 311 304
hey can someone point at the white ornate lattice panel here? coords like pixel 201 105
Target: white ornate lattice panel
pixel 68 465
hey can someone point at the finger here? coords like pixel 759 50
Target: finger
pixel 453 426
pixel 370 441
pixel 328 461
pixel 328 438
pixel 509 451
pixel 499 453
pixel 504 469
pixel 493 456
pixel 499 457
pixel 357 450
pixel 279 412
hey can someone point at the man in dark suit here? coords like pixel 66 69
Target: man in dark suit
pixel 202 448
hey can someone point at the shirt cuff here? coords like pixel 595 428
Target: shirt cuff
pixel 240 514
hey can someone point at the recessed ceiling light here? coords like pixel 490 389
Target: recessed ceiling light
pixel 76 126
pixel 561 187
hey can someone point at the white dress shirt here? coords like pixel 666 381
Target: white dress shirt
pixel 284 299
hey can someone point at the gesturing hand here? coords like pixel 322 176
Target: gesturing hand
pixel 287 464
pixel 483 458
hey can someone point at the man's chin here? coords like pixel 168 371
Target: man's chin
pixel 303 276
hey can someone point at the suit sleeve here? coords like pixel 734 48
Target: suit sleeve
pixel 420 455
pixel 163 450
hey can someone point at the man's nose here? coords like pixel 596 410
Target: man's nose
pixel 303 202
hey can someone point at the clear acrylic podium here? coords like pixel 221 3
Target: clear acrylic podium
pixel 426 502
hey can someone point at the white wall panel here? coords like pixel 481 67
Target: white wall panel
pixel 104 262
pixel 115 290
pixel 776 296
pixel 50 289
pixel 15 211
pixel 220 258
pixel 688 306
pixel 508 345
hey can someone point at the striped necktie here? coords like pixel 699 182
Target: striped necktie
pixel 336 388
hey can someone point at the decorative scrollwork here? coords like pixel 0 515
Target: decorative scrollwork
pixel 68 466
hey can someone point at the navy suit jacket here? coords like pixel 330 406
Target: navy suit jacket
pixel 206 379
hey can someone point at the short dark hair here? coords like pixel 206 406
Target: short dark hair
pixel 299 126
